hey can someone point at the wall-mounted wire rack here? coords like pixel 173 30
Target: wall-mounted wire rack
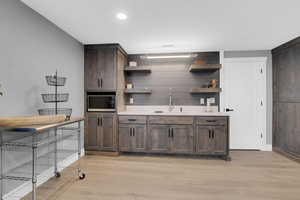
pixel 56 81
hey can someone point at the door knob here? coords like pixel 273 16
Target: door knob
pixel 228 110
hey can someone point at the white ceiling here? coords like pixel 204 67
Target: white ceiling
pixel 189 25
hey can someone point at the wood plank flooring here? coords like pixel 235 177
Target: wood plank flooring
pixel 251 175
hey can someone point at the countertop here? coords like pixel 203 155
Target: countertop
pixel 216 114
pixel 44 127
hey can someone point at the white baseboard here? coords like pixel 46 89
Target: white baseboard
pixel 267 147
pixel 26 188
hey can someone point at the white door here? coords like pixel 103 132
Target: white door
pixel 244 87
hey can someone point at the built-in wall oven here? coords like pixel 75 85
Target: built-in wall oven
pixel 101 102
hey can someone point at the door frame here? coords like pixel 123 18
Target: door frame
pixel 263 60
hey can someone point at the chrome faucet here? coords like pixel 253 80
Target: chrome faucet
pixel 171 106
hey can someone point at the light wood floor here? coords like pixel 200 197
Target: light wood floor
pixel 249 176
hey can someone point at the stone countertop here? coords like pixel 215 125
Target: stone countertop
pixel 190 113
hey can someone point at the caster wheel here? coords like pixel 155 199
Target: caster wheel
pixel 57 174
pixel 82 176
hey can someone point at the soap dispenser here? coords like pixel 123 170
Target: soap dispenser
pixel 208 105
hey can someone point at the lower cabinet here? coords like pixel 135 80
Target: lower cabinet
pixel 132 138
pixel 182 138
pixel 100 132
pixel 211 140
pixel 159 139
pixel 188 135
pixel 170 138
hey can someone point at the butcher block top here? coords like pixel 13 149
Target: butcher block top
pixel 44 127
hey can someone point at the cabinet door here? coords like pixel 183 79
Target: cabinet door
pixel 124 137
pixel 182 139
pixel 92 137
pixel 288 74
pixel 203 140
pixel 219 140
pixel 107 132
pixel 106 65
pixel 92 74
pixel 138 139
pixel 158 138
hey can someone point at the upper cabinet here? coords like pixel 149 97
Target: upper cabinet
pixel 91 69
pixel 101 67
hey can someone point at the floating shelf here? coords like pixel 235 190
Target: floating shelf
pixel 138 69
pixel 205 90
pixel 137 91
pixel 204 67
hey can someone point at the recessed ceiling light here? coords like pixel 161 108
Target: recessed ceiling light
pixel 121 16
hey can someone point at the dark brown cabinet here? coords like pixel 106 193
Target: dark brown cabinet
pixel 91 133
pixel 171 138
pixel 132 137
pixel 158 139
pixel 286 98
pixel 101 133
pixel 138 138
pixel 107 132
pixel 124 137
pixel 211 140
pixel 182 139
pixel 203 141
pixel 219 138
pixel 174 135
pixel 100 67
pixel 91 70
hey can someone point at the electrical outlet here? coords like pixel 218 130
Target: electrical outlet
pixel 131 100
pixel 202 101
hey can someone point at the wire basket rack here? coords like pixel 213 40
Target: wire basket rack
pixel 55 81
pixel 52 98
pixel 53 111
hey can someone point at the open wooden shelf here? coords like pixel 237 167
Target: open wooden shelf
pixel 144 69
pixel 137 91
pixel 205 90
pixel 204 67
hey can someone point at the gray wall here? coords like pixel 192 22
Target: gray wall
pixel 32 47
pixel 175 74
pixel 260 53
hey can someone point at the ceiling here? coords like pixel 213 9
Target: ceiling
pixel 155 26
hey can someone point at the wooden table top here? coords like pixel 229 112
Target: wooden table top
pixel 44 127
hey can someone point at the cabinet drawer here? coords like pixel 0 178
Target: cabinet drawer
pixel 170 120
pixel 132 119
pixel 211 121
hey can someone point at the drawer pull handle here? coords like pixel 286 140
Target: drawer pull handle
pixel 211 120
pixel 132 120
